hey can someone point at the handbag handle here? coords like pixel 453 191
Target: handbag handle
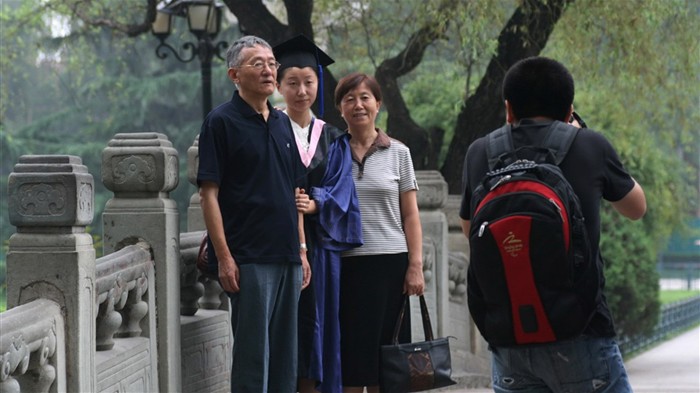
pixel 425 316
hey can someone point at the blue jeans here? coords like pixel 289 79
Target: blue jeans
pixel 585 364
pixel 264 324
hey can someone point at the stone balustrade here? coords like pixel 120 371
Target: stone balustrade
pixel 99 329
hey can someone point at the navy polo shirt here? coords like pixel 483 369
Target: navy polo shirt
pixel 257 166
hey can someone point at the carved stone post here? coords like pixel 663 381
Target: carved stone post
pixel 51 201
pixel 141 169
pixel 469 350
pixel 432 195
pixel 206 336
pixel 195 221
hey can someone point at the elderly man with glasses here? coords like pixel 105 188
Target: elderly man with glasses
pixel 249 171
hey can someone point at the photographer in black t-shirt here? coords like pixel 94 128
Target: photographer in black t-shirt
pixel 537 91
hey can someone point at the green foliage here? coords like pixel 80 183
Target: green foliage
pixel 636 73
pixel 630 249
pixel 632 283
pixel 436 107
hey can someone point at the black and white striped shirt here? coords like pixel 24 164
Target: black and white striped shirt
pixel 385 174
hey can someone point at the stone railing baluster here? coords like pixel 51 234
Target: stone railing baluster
pixel 120 287
pixel 191 290
pixel 32 348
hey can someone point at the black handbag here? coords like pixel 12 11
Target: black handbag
pixel 415 367
pixel 205 268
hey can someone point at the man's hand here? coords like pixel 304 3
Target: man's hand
pixel 229 275
pixel 306 270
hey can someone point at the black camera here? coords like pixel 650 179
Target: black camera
pixel 575 116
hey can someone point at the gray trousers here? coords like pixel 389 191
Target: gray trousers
pixel 264 322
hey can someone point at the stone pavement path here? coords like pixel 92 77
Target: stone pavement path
pixel 671 367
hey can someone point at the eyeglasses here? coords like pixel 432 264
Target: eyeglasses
pixel 259 65
pixel 575 116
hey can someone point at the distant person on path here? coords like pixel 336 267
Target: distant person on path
pixel 249 168
pixel 332 221
pixel 539 91
pixel 389 265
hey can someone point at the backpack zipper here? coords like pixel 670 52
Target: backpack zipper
pixel 557 207
pixel 482 228
pixel 500 181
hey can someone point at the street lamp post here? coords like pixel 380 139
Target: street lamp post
pixel 204 21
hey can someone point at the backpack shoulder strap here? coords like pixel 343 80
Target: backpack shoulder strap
pixel 559 139
pixel 499 141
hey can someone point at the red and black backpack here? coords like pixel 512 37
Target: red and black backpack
pixel 531 278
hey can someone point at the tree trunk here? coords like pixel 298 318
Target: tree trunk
pixel 399 122
pixel 525 35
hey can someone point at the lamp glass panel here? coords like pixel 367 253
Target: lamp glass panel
pixel 214 21
pixel 197 17
pixel 162 23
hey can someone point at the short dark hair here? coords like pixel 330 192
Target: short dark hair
pixel 539 86
pixel 352 81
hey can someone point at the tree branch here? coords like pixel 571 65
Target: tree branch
pixel 131 30
pixel 299 16
pixel 525 35
pixel 255 19
pixel 399 122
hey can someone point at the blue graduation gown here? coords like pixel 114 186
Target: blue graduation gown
pixel 339 229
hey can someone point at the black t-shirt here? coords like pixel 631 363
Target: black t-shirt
pixel 594 171
pixel 256 165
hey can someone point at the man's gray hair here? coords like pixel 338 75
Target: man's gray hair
pixel 233 54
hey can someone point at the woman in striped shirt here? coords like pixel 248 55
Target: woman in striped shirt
pixel 376 276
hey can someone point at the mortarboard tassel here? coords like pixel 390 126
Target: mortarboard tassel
pixel 320 89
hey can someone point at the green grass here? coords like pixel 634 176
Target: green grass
pixel 671 296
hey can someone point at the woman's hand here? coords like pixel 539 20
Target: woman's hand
pixel 305 205
pixel 414 283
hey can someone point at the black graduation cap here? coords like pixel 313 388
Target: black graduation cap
pixel 302 52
